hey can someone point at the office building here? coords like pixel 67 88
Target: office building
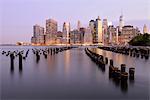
pixel 121 23
pixel 66 32
pixel 99 30
pixel 128 33
pixel 105 30
pixel 38 35
pixel 51 30
pixel 78 25
pixel 88 36
pixel 93 31
pixel 145 29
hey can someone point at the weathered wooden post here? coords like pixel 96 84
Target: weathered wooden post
pixel 20 61
pixel 131 73
pixel 106 60
pixel 123 68
pixel 12 61
pixel 111 62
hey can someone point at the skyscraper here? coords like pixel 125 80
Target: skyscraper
pixel 128 33
pixel 38 30
pixel 117 34
pixel 66 32
pixel 112 34
pixel 105 25
pixel 51 30
pixel 145 29
pixel 121 23
pixel 93 31
pixel 82 33
pixel 38 35
pixel 99 30
pixel 88 36
pixel 105 30
pixel 79 25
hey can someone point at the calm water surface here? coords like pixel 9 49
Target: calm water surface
pixel 71 75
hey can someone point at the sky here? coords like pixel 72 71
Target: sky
pixel 17 17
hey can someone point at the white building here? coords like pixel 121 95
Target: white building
pixel 78 25
pixel 105 30
pixel 121 23
pixel 99 30
pixel 145 29
pixel 66 32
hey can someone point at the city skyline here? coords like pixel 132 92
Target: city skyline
pixel 17 23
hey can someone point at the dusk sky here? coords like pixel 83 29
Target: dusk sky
pixel 17 17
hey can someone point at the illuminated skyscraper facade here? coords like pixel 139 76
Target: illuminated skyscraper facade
pixel 145 29
pixel 99 30
pixel 78 25
pixel 66 32
pixel 51 30
pixel 121 23
pixel 38 35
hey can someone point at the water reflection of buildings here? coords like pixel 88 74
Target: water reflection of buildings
pixel 117 57
pixel 51 63
pixel 67 61
pixel 120 59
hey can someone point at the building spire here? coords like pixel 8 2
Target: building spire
pixel 98 17
pixel 78 25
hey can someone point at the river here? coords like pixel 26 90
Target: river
pixel 71 75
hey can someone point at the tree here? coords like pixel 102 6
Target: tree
pixel 141 40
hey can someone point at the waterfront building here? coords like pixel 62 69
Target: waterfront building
pixel 99 30
pixel 121 23
pixel 105 31
pixel 33 40
pixel 82 33
pixel 78 25
pixel 88 36
pixel 117 36
pixel 73 34
pixel 145 29
pixel 51 30
pixel 96 30
pixel 77 36
pixel 59 34
pixel 128 33
pixel 66 32
pixel 112 35
pixel 59 37
pixel 93 31
pixel 105 25
pixel 38 35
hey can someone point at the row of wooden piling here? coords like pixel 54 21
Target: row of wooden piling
pixel 48 51
pixel 23 54
pixel 116 74
pixel 134 52
pixel 16 54
pixel 121 74
pixel 98 59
